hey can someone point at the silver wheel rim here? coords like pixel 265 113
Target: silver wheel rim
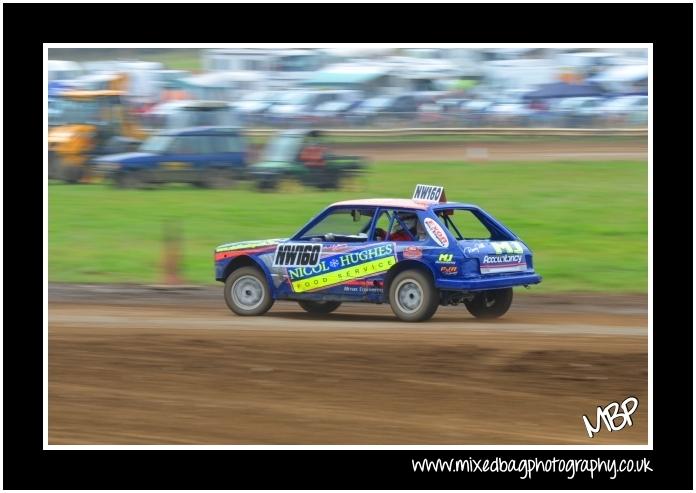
pixel 247 292
pixel 409 296
pixel 488 301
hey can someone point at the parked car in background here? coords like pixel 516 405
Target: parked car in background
pixel 385 108
pixel 256 103
pixel 209 157
pixel 333 112
pixel 304 156
pixel 62 70
pixel 576 112
pixel 624 109
pixel 188 113
pixel 301 104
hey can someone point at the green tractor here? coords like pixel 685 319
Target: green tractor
pixel 304 156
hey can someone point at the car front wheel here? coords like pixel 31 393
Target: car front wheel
pixel 413 297
pixel 247 292
pixel 490 304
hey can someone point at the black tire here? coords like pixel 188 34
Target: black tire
pixel 490 304
pixel 247 292
pixel 413 296
pixel 72 174
pixel 217 178
pixel 129 179
pixel 267 184
pixel 53 166
pixel 320 307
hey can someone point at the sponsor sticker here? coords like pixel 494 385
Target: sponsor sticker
pixel 413 252
pixel 445 258
pixel 428 193
pixel 297 255
pixel 244 245
pixel 449 270
pixel 494 264
pixel 343 268
pixel 436 232
pixel 507 247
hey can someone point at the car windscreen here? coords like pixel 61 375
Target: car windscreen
pixel 342 225
pixel 78 111
pixel 376 103
pixel 296 98
pixel 283 149
pixel 156 144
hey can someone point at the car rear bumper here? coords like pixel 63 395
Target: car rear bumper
pixel 484 283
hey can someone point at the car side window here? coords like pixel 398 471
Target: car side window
pixel 232 143
pixel 399 225
pixel 184 145
pixel 382 226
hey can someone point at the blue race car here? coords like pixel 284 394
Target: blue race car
pixel 209 157
pixel 413 254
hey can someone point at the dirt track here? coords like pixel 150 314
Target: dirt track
pixel 141 366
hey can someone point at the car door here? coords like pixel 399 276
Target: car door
pixel 346 266
pixel 227 152
pixel 178 164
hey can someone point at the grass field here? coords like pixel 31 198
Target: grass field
pixel 587 222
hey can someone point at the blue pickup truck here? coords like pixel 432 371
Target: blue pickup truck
pixel 209 157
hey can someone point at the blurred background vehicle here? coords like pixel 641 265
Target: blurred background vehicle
pixel 91 123
pixel 63 70
pixel 305 156
pixel 208 157
pixel 189 113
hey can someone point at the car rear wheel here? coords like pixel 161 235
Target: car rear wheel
pixel 247 292
pixel 490 304
pixel 319 306
pixel 129 179
pixel 71 174
pixel 413 296
pixel 267 184
pixel 218 178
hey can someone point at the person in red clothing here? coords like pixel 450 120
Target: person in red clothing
pixel 313 155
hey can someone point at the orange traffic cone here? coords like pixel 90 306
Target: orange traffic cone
pixel 172 255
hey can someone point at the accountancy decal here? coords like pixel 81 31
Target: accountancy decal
pixel 436 232
pixel 342 268
pixel 494 264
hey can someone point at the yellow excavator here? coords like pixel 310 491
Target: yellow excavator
pixel 92 123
